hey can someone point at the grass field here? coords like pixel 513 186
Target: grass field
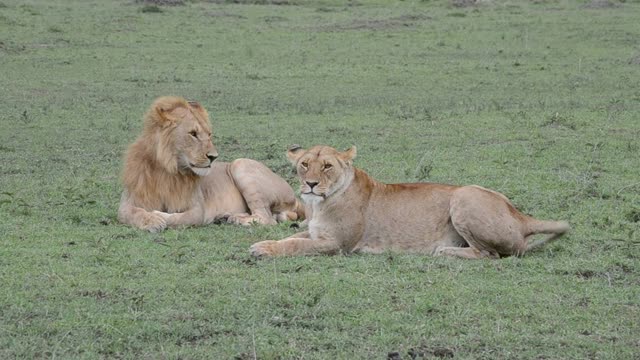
pixel 536 99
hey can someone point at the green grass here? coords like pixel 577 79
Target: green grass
pixel 536 99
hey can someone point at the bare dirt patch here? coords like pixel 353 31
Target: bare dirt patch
pixel 161 2
pixel 225 14
pixel 600 4
pixel 423 352
pixel 585 274
pixel 394 355
pixel 376 24
pixel 254 2
pixel 464 3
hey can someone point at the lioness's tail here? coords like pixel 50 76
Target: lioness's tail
pixel 555 228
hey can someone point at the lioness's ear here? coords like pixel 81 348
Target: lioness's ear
pixel 349 155
pixel 294 153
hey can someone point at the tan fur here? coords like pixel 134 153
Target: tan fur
pixel 170 178
pixel 351 212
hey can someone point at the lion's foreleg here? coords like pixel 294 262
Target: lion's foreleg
pixel 465 253
pixel 193 216
pixel 298 244
pixel 130 214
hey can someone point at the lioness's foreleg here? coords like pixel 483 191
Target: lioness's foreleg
pixel 298 244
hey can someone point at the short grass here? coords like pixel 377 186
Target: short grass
pixel 537 99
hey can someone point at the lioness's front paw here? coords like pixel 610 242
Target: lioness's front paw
pixel 155 222
pixel 264 249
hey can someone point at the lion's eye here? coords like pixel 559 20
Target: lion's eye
pixel 193 133
pixel 327 166
pixel 305 164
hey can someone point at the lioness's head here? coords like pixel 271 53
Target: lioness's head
pixel 182 135
pixel 322 170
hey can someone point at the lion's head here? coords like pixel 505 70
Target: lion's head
pixel 182 135
pixel 322 170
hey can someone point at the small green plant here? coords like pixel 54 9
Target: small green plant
pixel 151 9
pixel 560 120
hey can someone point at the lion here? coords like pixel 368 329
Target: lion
pixel 170 177
pixel 353 213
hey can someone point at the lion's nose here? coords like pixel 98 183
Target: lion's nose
pixel 212 157
pixel 311 183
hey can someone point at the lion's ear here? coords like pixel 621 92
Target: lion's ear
pixel 349 155
pixel 199 109
pixel 294 153
pixel 169 108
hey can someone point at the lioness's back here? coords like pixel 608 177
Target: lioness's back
pixel 402 216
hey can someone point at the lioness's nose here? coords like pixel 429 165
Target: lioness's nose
pixel 212 157
pixel 311 183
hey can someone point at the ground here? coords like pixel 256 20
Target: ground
pixel 536 99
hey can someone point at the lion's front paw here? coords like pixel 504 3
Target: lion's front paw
pixel 222 219
pixel 238 219
pixel 264 249
pixel 155 221
pixel 247 219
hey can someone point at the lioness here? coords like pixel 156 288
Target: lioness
pixel 170 177
pixel 351 212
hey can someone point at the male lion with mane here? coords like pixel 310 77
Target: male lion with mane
pixel 351 212
pixel 170 177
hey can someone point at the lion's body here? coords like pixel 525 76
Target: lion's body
pixel 354 213
pixel 170 178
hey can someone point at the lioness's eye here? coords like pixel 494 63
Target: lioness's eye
pixel 193 133
pixel 305 164
pixel 327 166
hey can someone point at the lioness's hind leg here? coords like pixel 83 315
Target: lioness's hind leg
pixel 487 221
